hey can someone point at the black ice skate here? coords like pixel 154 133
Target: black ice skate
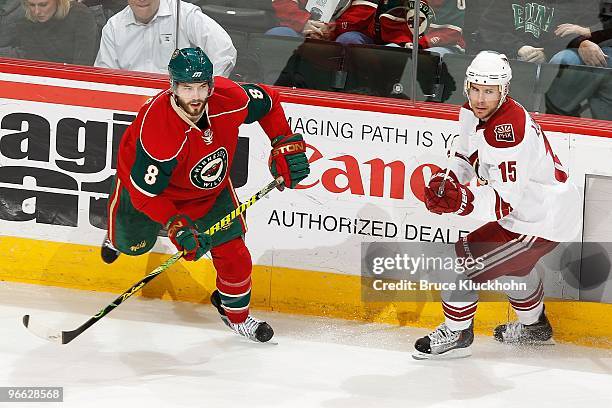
pixel 516 332
pixel 443 343
pixel 252 328
pixel 109 252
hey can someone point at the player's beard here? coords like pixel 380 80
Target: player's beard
pixel 193 111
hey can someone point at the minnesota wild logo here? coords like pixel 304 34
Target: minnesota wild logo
pixel 427 16
pixel 211 170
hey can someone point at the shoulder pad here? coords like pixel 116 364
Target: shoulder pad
pixel 506 128
pixel 228 97
pixel 260 102
pixel 162 132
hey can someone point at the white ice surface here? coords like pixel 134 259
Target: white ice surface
pixel 152 353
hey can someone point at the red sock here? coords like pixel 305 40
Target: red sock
pixel 232 261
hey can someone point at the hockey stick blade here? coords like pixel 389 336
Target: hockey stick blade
pixel 43 332
pixel 65 337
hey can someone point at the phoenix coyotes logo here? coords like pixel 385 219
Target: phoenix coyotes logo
pixel 504 133
pixel 211 170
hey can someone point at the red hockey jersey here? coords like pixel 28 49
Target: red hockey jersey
pixel 291 13
pixel 171 165
pixel 388 21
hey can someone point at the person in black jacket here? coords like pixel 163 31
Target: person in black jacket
pixel 572 86
pixel 10 13
pixel 531 31
pixel 591 47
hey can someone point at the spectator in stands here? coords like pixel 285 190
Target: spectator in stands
pixel 56 31
pixel 392 22
pixel 10 13
pixel 295 21
pixel 572 86
pixel 141 37
pixel 531 31
pixel 585 49
pixel 386 23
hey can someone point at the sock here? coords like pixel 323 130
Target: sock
pixel 232 261
pixel 459 315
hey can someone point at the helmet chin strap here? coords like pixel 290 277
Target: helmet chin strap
pixel 503 90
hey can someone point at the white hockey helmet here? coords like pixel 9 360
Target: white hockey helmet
pixel 489 68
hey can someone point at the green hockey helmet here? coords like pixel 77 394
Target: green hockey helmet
pixel 190 65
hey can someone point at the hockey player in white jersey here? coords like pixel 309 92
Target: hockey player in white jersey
pixel 519 189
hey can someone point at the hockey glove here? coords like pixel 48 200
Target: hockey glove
pixel 288 159
pixel 185 236
pixel 456 198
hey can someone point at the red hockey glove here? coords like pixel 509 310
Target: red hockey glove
pixel 288 159
pixel 456 198
pixel 185 236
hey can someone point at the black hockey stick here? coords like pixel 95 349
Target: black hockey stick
pixel 65 337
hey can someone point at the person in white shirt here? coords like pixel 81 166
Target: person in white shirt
pixel 520 190
pixel 141 37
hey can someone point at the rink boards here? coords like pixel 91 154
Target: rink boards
pixel 58 139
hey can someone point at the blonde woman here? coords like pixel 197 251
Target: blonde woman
pixel 57 31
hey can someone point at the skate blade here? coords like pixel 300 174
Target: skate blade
pixel 255 341
pixel 449 355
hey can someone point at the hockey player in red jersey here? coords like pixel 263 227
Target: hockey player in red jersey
pixel 524 197
pixel 173 171
pixel 392 22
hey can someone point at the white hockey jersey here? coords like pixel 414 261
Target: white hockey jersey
pixel 523 185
